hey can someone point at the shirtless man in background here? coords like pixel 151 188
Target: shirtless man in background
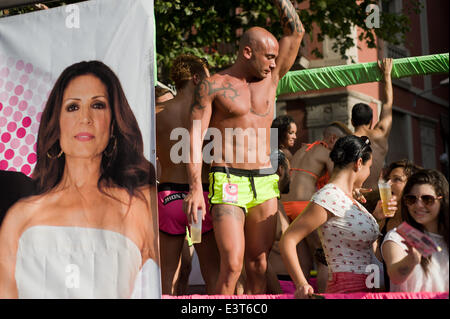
pixel 187 72
pixel 311 167
pixel 243 187
pixel 362 116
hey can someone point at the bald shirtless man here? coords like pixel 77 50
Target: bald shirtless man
pixel 311 167
pixel 187 72
pixel 379 135
pixel 243 187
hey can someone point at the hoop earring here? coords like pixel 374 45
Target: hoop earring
pixel 53 157
pixel 109 154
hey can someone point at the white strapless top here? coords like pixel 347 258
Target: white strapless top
pixel 79 262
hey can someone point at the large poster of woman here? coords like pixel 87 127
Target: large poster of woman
pixel 77 116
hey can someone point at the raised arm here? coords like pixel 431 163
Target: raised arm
pixel 384 124
pixel 201 111
pixel 289 44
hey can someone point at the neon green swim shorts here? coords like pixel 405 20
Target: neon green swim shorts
pixel 241 187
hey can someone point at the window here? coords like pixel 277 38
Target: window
pixel 428 143
pixel 400 138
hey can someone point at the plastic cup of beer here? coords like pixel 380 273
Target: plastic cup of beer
pixel 196 229
pixel 385 194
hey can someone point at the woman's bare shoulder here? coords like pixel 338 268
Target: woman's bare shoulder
pixel 22 213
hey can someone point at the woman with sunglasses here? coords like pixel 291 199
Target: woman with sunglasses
pixel 346 229
pixel 424 205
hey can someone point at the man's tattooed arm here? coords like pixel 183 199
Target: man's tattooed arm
pixel 289 18
pixel 208 88
pixel 289 44
pixel 200 93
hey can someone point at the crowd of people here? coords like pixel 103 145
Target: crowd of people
pixel 325 217
pixel 267 214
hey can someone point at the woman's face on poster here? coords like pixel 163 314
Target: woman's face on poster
pixel 85 118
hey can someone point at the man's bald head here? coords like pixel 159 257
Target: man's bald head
pixel 258 50
pixel 255 38
pixel 334 131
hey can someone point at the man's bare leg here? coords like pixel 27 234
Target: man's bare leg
pixel 170 247
pixel 182 278
pixel 241 283
pixel 228 223
pixel 208 257
pixel 260 227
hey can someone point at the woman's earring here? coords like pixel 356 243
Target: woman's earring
pixel 52 156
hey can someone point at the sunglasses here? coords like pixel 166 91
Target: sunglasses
pixel 427 200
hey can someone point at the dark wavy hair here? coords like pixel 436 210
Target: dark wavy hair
pixel 409 168
pixel 349 149
pixel 282 123
pixel 440 185
pixel 123 163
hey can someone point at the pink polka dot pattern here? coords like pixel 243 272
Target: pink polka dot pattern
pixel 4 72
pixel 24 90
pixel 23 105
pixel 20 65
pixel 24 150
pixel 13 100
pixel 32 158
pixel 4 96
pixel 11 126
pixel 17 116
pixel 9 154
pixel 8 111
pixel 18 90
pixel 5 137
pixel 9 86
pixel 3 165
pixel 21 132
pixel 17 161
pixel 24 79
pixel 26 169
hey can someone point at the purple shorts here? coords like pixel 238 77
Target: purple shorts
pixel 172 219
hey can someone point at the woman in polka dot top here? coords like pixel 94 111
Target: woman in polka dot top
pixel 346 229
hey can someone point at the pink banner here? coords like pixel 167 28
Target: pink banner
pixel 363 295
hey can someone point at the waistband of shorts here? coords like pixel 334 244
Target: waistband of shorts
pixel 178 187
pixel 244 172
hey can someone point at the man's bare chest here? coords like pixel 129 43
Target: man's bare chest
pixel 244 99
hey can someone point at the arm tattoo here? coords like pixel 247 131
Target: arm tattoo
pixel 200 92
pixel 206 88
pixel 289 17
